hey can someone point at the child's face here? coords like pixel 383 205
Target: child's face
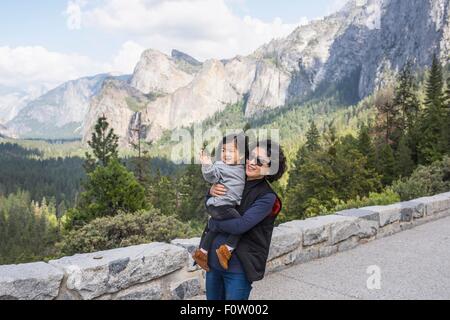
pixel 230 154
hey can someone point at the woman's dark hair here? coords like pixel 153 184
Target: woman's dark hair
pixel 277 158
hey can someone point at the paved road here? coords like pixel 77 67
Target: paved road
pixel 414 264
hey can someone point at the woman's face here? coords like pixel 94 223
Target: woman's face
pixel 255 171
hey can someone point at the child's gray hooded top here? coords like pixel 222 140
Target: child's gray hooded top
pixel 231 176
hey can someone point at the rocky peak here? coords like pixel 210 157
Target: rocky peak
pixel 159 73
pixel 181 56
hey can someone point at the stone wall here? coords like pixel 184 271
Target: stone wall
pixel 165 271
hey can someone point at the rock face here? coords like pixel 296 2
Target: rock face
pixel 209 92
pixel 157 72
pixel 358 49
pixel 58 113
pixel 119 103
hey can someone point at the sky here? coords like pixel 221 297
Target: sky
pixel 48 42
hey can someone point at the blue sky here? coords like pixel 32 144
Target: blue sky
pixel 89 36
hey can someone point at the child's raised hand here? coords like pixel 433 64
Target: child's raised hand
pixel 204 158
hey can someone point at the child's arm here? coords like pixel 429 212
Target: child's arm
pixel 210 172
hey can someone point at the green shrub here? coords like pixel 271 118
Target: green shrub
pixel 122 230
pixel 425 181
pixel 386 197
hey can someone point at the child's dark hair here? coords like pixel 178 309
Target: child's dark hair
pixel 240 141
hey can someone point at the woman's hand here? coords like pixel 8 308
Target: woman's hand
pixel 218 190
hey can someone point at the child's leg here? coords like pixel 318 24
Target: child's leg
pixel 223 212
pixel 232 242
pixel 207 241
pixel 231 213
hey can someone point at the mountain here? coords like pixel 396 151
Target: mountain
pixel 60 112
pixel 348 54
pixel 354 51
pixel 12 100
pixel 119 102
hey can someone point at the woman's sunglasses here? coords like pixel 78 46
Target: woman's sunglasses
pixel 259 162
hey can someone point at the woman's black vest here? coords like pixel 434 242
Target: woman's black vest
pixel 253 247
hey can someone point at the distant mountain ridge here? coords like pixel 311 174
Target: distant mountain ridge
pixel 60 112
pixel 358 49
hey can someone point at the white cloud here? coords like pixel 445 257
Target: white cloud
pixel 127 58
pixel 35 68
pixel 202 28
pixel 30 67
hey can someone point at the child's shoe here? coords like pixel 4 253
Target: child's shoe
pixel 224 255
pixel 201 259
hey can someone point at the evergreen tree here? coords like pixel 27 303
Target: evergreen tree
pixel 405 98
pixel 104 144
pixel 331 174
pixel 162 194
pixel 108 191
pixel 431 147
pixel 389 124
pixel 386 164
pixel 354 177
pixel 312 145
pixel 191 191
pixel 446 123
pixel 366 147
pixel 404 164
pixel 312 138
pixel 141 162
pixel 28 230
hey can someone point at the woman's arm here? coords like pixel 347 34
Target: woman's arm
pixel 259 210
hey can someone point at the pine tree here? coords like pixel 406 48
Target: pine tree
pixel 312 145
pixel 366 147
pixel 405 98
pixel 312 138
pixel 404 164
pixel 141 162
pixel 108 191
pixel 163 194
pixel 389 123
pixel 191 190
pixel 446 123
pixel 104 144
pixel 386 164
pixel 431 147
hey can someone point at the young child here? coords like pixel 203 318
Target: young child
pixel 230 172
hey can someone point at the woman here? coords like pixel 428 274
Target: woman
pixel 259 208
